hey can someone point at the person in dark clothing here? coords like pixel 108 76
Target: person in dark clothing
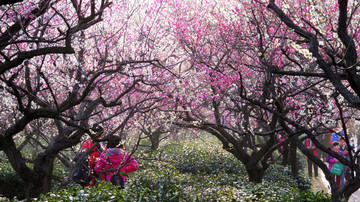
pixel 344 149
pixel 312 148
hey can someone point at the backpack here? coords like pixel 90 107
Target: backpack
pixel 117 180
pixel 82 174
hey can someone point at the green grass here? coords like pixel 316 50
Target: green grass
pixel 192 170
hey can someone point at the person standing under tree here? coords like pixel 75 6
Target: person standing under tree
pixel 311 147
pixel 344 150
pixel 332 160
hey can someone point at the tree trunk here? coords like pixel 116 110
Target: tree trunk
pixel 41 184
pixel 293 159
pixel 37 180
pixel 155 140
pixel 285 155
pixel 350 187
pixel 255 174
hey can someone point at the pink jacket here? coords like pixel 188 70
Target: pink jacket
pixel 331 160
pixel 115 156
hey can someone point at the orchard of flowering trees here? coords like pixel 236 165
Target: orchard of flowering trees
pixel 63 71
pixel 243 71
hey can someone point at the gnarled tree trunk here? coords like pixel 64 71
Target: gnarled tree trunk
pixel 255 173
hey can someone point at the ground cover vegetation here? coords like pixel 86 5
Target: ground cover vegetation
pixel 190 170
pixel 257 75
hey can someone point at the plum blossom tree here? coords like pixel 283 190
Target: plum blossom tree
pixel 252 74
pixel 244 71
pixel 29 35
pixel 326 33
pixel 63 70
pixel 205 94
pixel 302 91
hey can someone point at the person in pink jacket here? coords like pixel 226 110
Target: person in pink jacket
pixel 113 158
pixel 332 160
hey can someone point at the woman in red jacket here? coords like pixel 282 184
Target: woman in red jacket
pixel 113 158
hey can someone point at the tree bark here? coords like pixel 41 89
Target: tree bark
pixel 155 140
pixel 255 174
pixel 293 159
pixel 285 155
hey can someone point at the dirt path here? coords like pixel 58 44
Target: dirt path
pixel 321 184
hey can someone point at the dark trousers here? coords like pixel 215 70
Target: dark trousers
pixel 310 165
pixel 338 181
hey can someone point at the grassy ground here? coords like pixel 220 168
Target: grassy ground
pixel 192 170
